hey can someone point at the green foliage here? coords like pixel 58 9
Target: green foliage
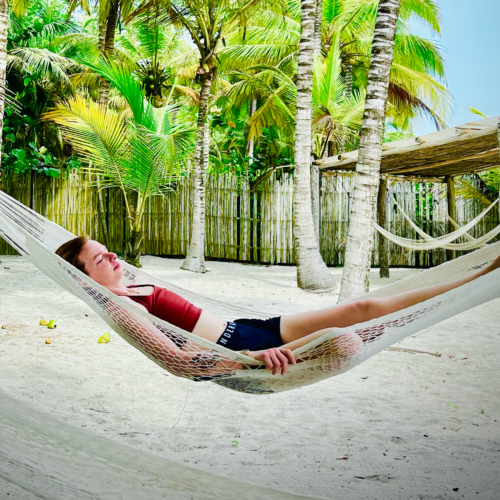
pixel 32 158
pixel 37 76
pixel 21 157
pixel 52 59
pixel 142 149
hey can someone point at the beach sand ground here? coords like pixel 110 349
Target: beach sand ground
pixel 413 426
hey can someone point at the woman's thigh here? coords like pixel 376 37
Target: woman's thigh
pixel 345 344
pixel 296 326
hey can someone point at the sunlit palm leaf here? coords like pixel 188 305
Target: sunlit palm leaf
pixel 96 132
pixel 42 62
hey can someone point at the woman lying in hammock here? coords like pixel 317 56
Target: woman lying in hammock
pixel 270 341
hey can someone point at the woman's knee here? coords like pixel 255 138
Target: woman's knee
pixel 365 309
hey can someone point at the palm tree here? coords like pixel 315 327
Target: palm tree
pixel 110 11
pixel 312 273
pixel 208 23
pixel 3 59
pixel 26 53
pixel 139 150
pixel 38 75
pixel 336 115
pixel 418 70
pixel 158 55
pixel 360 236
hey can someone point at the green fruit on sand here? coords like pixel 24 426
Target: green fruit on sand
pixel 104 338
pixel 43 322
pixel 52 324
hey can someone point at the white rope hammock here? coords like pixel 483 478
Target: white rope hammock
pixel 430 243
pixel 56 461
pixel 426 236
pixel 37 238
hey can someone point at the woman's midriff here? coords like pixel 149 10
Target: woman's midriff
pixel 209 326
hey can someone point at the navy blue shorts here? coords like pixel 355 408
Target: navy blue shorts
pixel 252 334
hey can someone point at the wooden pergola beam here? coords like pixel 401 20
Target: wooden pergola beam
pixel 480 156
pixel 410 154
pixel 393 178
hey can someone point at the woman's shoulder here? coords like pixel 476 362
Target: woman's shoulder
pixel 144 290
pixel 129 299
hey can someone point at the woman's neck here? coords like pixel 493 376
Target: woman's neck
pixel 120 289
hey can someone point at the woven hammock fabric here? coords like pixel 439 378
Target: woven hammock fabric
pixel 37 238
pixel 430 243
pixel 426 236
pixel 56 461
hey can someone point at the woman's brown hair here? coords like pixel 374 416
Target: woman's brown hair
pixel 70 251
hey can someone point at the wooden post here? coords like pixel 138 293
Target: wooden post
pixel 383 255
pixel 315 194
pixel 452 212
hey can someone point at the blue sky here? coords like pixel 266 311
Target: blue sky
pixel 472 51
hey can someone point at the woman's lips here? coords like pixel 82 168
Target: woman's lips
pixel 116 267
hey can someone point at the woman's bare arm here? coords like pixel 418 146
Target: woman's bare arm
pixel 382 306
pixel 164 350
pixel 297 326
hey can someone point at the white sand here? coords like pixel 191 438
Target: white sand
pixel 408 434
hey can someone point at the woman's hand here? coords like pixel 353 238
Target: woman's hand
pixel 276 359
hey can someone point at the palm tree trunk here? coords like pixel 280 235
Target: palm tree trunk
pixel 315 173
pixel 195 258
pixel 355 278
pixel 3 60
pixel 348 80
pixel 312 273
pixel 251 144
pixel 107 32
pixel 134 234
pixel 316 198
pixel 317 27
pixel 133 247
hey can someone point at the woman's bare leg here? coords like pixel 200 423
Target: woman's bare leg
pixel 350 340
pixel 296 326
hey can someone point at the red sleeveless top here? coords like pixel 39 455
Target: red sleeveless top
pixel 169 307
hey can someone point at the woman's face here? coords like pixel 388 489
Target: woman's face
pixel 101 265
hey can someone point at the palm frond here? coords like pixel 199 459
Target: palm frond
pixel 425 88
pixel 19 7
pixel 426 11
pixel 42 62
pixel 477 112
pixel 468 191
pixel 96 132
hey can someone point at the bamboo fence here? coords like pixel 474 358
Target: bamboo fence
pixel 241 224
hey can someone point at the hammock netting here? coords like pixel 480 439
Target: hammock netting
pixel 430 243
pixel 37 238
pixel 56 461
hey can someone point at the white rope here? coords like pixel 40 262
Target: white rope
pixel 457 226
pixel 428 236
pixel 332 354
pixel 56 461
pixel 431 243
